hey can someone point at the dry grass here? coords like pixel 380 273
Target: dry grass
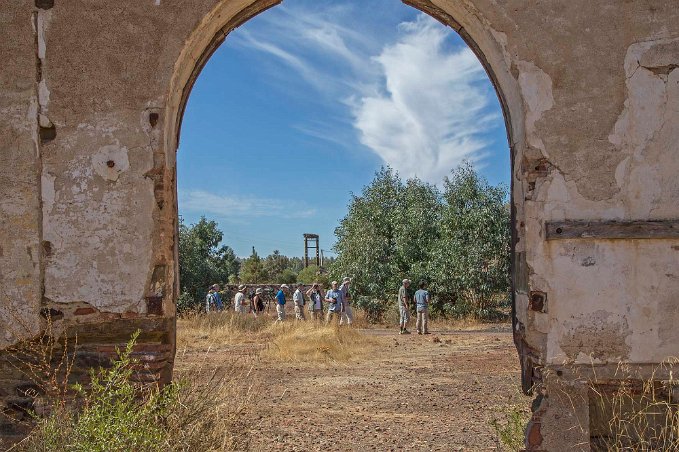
pixel 639 415
pixel 212 410
pixel 288 341
pixel 309 342
pixel 216 328
pixel 391 320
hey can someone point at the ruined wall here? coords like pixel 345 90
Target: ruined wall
pixel 91 98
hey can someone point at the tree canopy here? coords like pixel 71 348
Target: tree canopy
pixel 457 241
pixel 202 261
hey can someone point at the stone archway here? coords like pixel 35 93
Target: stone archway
pixel 92 97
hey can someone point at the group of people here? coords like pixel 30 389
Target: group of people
pixel 421 300
pixel 338 299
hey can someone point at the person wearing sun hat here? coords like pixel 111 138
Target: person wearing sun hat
pixel 257 304
pixel 239 303
pixel 280 302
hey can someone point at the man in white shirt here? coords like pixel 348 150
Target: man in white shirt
pixel 298 299
pixel 239 302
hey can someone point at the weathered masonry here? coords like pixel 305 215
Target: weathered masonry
pixel 91 101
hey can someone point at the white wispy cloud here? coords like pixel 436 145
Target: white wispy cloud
pixel 432 113
pixel 241 208
pixel 418 103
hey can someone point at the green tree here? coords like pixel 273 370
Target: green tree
pixel 312 274
pixel 458 241
pixel 202 261
pixel 469 262
pixel 416 229
pixel 296 264
pixel 274 266
pixel 366 245
pixel 287 276
pixel 252 270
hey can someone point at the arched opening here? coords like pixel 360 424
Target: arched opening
pixel 196 64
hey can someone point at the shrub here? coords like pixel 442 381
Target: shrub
pixel 113 413
pixel 510 425
pixel 374 309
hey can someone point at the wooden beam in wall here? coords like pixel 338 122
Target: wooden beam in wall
pixel 661 229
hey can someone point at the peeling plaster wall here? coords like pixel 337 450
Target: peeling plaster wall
pixel 91 102
pixel 20 251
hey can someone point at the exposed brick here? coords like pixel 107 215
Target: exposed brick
pixel 84 311
pixel 533 436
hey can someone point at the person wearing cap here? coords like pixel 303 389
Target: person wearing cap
pixel 334 299
pixel 347 313
pixel 316 306
pixel 239 303
pixel 257 304
pixel 213 300
pixel 422 301
pixel 280 302
pixel 404 306
pixel 298 299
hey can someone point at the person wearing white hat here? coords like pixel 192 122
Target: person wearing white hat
pixel 347 312
pixel 257 304
pixel 280 302
pixel 298 299
pixel 239 303
pixel 404 306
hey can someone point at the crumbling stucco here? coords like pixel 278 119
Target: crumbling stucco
pixel 91 100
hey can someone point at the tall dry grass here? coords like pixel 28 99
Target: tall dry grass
pixel 316 342
pixel 637 414
pixel 215 328
pixel 213 409
pixel 292 340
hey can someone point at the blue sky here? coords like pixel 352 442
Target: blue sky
pixel 303 103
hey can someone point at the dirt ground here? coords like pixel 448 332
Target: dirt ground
pixel 411 392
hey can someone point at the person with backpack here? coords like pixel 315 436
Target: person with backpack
pixel 316 305
pixel 298 299
pixel 213 299
pixel 422 304
pixel 257 302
